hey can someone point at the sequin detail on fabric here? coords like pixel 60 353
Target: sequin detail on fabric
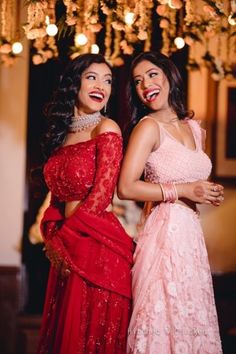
pixel 173 162
pixel 70 172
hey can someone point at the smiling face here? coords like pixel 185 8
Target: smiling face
pixel 151 85
pixel 95 88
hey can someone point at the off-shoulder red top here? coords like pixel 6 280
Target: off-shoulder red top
pixel 86 171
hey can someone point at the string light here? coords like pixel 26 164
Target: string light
pixel 47 20
pixel 51 29
pixel 170 4
pixel 94 49
pixel 179 42
pixel 80 39
pixel 17 48
pixel 177 4
pixel 129 18
pixel 232 19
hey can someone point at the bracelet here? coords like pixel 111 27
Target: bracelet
pixel 163 192
pixel 169 192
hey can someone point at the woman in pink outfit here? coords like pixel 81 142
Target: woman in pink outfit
pixel 173 303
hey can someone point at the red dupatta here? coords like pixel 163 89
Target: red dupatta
pixel 97 248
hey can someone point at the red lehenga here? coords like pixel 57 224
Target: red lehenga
pixel 89 311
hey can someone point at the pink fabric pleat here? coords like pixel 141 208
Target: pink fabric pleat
pixel 146 260
pixel 173 301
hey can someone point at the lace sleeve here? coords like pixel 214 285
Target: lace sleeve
pixel 108 159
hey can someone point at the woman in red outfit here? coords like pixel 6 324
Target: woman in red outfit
pixel 87 307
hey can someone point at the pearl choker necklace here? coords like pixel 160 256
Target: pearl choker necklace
pixel 84 121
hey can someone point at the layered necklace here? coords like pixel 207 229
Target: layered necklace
pixel 84 121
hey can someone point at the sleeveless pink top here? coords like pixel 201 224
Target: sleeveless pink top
pixel 173 162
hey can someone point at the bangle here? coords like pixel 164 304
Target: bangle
pixel 163 192
pixel 175 190
pixel 169 192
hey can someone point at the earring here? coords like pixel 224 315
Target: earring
pixel 143 106
pixel 105 109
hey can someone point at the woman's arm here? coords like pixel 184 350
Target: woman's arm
pixel 108 159
pixel 144 139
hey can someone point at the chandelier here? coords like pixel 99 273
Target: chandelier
pixel 206 27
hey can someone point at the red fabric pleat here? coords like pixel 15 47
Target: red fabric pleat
pixel 89 311
pixel 98 249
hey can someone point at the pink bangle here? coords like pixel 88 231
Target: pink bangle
pixel 169 192
pixel 163 192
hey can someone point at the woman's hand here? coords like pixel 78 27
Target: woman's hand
pixel 57 261
pixel 202 192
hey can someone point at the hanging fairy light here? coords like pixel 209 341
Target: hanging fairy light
pixel 176 4
pixel 51 29
pixel 129 18
pixel 232 15
pixel 17 47
pixel 80 39
pixel 170 4
pixel 94 49
pixel 179 42
pixel 232 19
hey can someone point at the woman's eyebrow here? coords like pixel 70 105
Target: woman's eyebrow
pixel 146 72
pixel 95 73
pixel 90 72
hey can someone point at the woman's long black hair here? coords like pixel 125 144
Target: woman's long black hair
pixel 61 108
pixel 176 95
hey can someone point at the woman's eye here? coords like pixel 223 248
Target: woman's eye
pixel 91 77
pixel 153 74
pixel 137 81
pixel 108 81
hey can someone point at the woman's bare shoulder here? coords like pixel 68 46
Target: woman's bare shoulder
pixel 108 125
pixel 147 129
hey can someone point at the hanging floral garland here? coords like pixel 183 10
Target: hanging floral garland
pixel 204 21
pixel 128 23
pixel 10 46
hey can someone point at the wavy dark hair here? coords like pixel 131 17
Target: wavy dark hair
pixel 60 109
pixel 176 95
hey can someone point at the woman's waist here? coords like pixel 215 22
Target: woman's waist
pixel 181 202
pixel 71 206
pixel 68 196
pixel 187 203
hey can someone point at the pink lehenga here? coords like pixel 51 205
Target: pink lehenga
pixel 173 302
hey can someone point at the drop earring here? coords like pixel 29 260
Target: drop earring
pixel 105 109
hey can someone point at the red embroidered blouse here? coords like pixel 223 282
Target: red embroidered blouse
pixel 86 171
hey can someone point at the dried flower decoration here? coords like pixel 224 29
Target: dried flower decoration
pixel 127 26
